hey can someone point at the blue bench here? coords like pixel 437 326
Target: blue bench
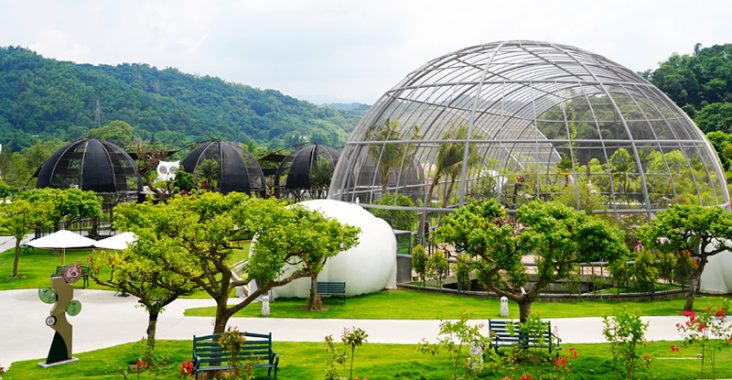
pixel 332 289
pixel 209 356
pixel 507 333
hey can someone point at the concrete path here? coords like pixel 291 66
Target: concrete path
pixel 106 320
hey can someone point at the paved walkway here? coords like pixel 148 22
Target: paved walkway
pixel 106 320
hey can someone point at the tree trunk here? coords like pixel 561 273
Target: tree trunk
pixel 524 310
pixel 691 291
pixel 314 292
pixel 428 203
pixel 16 258
pixel 152 323
pixel 222 317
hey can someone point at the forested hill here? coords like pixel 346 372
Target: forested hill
pixel 43 98
pixel 701 84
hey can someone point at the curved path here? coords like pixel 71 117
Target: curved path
pixel 106 320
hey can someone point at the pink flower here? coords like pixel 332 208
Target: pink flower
pixel 674 348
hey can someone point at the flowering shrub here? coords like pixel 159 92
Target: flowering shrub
pixel 709 328
pixel 626 332
pixel 351 339
pixel 186 368
pixel 454 337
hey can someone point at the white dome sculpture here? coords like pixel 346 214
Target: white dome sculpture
pixel 368 267
pixel 717 275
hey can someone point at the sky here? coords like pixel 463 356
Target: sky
pixel 344 50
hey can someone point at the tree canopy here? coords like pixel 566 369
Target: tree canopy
pixel 555 237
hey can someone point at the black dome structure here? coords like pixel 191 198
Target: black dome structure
pixel 237 170
pixel 91 164
pixel 308 169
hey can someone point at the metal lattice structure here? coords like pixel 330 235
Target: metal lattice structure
pixel 519 120
pixel 233 169
pixel 306 172
pixel 91 164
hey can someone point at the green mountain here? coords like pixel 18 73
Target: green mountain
pixel 701 84
pixel 43 98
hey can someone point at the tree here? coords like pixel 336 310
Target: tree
pixel 419 261
pixel 558 237
pixel 690 231
pixel 388 156
pixel 117 132
pixel 198 231
pixel 210 171
pixel 449 163
pixel 138 271
pixel 437 267
pixel 320 239
pixel 398 219
pixel 19 218
pixel 68 205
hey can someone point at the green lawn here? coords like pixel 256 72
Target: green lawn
pixel 36 267
pixel 376 361
pixel 409 304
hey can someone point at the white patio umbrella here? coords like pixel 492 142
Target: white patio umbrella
pixel 117 242
pixel 62 239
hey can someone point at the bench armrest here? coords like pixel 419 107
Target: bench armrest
pixel 274 359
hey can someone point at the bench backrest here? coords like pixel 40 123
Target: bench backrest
pixel 255 347
pixel 502 331
pixel 331 287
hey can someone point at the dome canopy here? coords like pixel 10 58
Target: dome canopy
pixel 233 168
pixel 309 168
pixel 91 164
pixel 518 120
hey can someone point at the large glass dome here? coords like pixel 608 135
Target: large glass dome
pixel 519 120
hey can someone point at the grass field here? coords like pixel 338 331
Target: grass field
pixel 378 361
pixel 35 267
pixel 409 304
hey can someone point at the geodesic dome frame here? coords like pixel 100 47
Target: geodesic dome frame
pixel 519 120
pixel 91 164
pixel 238 170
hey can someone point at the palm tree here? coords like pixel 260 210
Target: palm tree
pixel 388 156
pixel 449 163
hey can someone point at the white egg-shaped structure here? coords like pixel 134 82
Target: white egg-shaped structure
pixel 368 267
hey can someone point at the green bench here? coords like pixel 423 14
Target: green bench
pixel 331 289
pixel 209 356
pixel 84 274
pixel 506 333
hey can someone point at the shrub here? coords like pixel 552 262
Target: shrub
pixel 437 266
pixel 419 262
pixel 625 332
pixel 456 338
pixel 711 330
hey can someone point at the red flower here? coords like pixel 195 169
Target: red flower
pixel 688 313
pixel 186 368
pixel 560 362
pixel 702 326
pixel 141 364
pixel 527 377
pixel 573 352
pixel 721 314
pixel 674 348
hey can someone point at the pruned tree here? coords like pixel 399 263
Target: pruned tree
pixel 199 231
pixel 690 231
pixel 138 271
pixel 556 236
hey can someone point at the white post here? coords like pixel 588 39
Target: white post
pixel 504 307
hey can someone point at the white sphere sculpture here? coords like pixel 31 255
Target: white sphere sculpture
pixel 717 275
pixel 368 267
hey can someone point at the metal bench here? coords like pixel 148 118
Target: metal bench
pixel 209 356
pixel 331 289
pixel 507 333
